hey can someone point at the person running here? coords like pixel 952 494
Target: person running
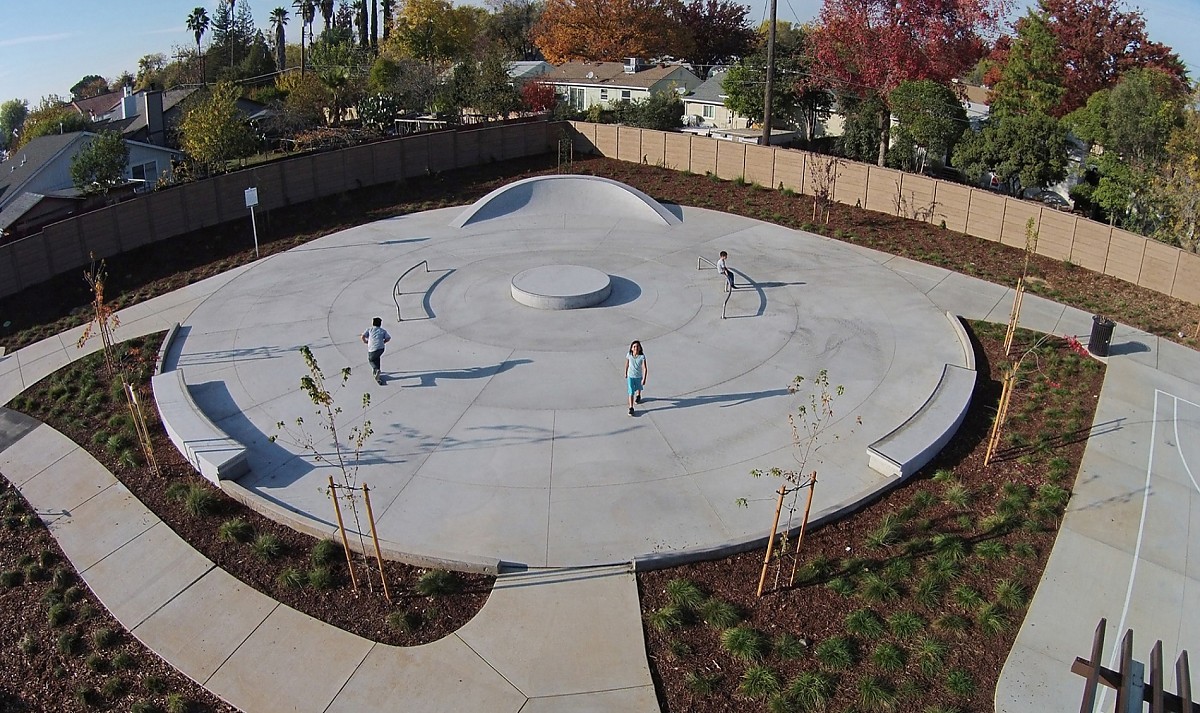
pixel 723 268
pixel 375 337
pixel 637 370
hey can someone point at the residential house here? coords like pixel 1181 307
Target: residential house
pixel 705 107
pixel 152 116
pixel 35 182
pixel 527 71
pixel 587 84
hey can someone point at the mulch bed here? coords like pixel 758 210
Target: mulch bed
pixel 972 615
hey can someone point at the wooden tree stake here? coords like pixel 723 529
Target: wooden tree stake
pixel 762 580
pixel 378 555
pixel 1001 414
pixel 812 485
pixel 337 510
pixel 139 424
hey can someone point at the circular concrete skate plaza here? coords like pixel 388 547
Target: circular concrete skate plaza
pixel 501 432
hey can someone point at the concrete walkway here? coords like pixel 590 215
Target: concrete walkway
pixel 571 640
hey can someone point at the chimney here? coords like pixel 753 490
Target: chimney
pixel 150 105
pixel 128 104
pixel 632 65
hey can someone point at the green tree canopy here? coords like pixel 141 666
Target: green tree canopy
pixel 1031 79
pixel 12 117
pixel 1023 151
pixel 931 119
pixel 51 117
pixel 213 131
pixel 101 164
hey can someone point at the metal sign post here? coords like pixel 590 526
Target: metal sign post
pixel 251 201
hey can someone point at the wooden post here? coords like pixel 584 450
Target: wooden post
pixel 378 555
pixel 1014 316
pixel 1001 414
pixel 812 485
pixel 762 579
pixel 139 424
pixel 1183 681
pixel 337 510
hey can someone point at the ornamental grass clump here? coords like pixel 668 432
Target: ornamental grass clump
pixel 744 643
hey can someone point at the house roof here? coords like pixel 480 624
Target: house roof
pixel 610 74
pixel 973 94
pixel 528 69
pixel 710 92
pixel 97 106
pixel 24 164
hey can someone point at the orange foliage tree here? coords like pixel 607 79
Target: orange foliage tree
pixel 606 30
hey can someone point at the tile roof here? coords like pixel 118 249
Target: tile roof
pixel 609 74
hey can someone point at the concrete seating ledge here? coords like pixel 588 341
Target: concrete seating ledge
pixel 210 451
pixel 915 442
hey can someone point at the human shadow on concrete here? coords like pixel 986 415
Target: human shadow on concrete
pixel 402 242
pixel 430 378
pixel 507 435
pixel 722 400
pixel 623 292
pixel 1130 347
pixel 748 284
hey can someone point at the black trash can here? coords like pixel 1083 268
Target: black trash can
pixel 1102 331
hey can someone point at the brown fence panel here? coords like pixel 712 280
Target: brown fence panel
pixel 1159 265
pixel 133 224
pixel 629 144
pixel 64 246
pixel 99 233
pixel 329 172
pixel 467 151
pixel 299 185
pixel 917 199
pixel 606 140
pixel 883 185
pixel 986 215
pixel 760 165
pixel 851 185
pixel 731 160
pixel 11 279
pixel 441 150
pixel 271 192
pixel 789 170
pixel 1089 248
pixel 1017 215
pixel 1187 278
pixel 1055 233
pixel 358 165
pixel 415 152
pixel 704 155
pixel 679 152
pixel 491 146
pixel 584 137
pixel 952 204
pixel 654 147
pixel 512 141
pixel 32 259
pixel 1125 251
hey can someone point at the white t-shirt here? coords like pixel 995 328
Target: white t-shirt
pixel 721 268
pixel 636 362
pixel 376 337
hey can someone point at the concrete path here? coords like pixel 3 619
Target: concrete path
pixel 1124 554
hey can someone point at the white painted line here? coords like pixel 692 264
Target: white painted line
pixel 1137 550
pixel 1179 443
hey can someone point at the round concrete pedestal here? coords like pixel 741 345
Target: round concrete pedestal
pixel 561 287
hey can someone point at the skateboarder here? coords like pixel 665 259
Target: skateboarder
pixel 375 337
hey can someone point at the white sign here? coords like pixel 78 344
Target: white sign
pixel 251 197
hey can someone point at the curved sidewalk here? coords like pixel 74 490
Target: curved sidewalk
pixel 543 640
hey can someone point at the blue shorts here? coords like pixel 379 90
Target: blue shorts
pixel 635 384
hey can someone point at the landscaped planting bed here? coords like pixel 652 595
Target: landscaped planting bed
pixel 910 604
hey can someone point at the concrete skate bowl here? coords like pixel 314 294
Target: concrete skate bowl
pixel 566 195
pixel 501 433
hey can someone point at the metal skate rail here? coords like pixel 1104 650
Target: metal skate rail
pixel 396 293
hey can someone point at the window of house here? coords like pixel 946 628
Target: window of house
pixel 624 95
pixel 147 172
pixel 603 95
pixel 709 110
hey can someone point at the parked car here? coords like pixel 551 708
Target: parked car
pixel 1052 199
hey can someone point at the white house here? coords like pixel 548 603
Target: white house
pixel 705 107
pixel 586 84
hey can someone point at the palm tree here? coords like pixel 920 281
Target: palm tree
pixel 307 12
pixel 375 25
pixel 327 12
pixel 387 18
pixel 279 18
pixel 197 23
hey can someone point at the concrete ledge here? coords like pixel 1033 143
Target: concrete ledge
pixel 558 287
pixel 960 330
pixel 215 455
pixel 165 349
pixel 326 531
pixel 566 195
pixel 916 441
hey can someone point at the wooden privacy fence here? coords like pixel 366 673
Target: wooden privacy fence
pixel 974 211
pixel 1133 686
pixel 160 215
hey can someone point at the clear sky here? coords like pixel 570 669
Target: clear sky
pixel 45 46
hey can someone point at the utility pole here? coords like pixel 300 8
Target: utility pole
pixel 766 137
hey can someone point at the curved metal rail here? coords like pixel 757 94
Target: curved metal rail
pixel 396 288
pixel 700 259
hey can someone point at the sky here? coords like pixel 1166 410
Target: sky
pixel 46 49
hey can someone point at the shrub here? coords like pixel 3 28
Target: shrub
pixel 96 662
pixel 291 578
pixel 685 594
pixel 951 547
pixel 942 475
pixel 898 570
pixel 68 643
pixel 113 687
pixel 267 546
pixel 966 597
pixel 956 495
pixel 886 533
pixel 325 552
pixel 11 578
pixel 177 491
pixel 129 458
pixel 62 577
pixel 679 649
pixel 811 690
pixel 991 550
pixel 1010 594
pixel 235 530
pixel 176 703
pixel 404 620
pixel 877 589
pixel 104 638
pixel 950 622
pixel 720 614
pixel 789 647
pixel 930 653
pixel 991 619
pixel 437 582
pixel 29 645
pixel 844 586
pixel 888 657
pixel 321 578
pixel 960 683
pixel 124 660
pixel 47 557
pixel 904 624
pixel 701 684
pixel 59 614
pixel 759 682
pixel 199 501
pixel 34 572
pixel 744 643
pixel 145 707
pixel 73 594
pixel 929 592
pixel 875 694
pixel 666 618
pixel 1024 550
pixel 835 654
pixel 154 684
pixel 87 696
pixel 865 623
pixel 116 443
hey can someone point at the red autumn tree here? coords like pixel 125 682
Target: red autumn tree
pixel 539 96
pixel 608 30
pixel 1099 41
pixel 868 47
